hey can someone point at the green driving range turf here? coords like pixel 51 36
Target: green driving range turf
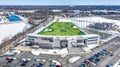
pixel 61 29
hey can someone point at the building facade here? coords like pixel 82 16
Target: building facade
pixel 62 41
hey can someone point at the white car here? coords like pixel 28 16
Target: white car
pixel 13 58
pixel 24 59
pixel 41 59
pixel 28 59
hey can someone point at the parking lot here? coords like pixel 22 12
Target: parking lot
pixel 100 56
pixel 26 59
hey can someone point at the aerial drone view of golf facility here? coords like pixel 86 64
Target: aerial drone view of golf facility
pixel 61 29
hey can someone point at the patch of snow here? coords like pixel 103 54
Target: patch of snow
pixel 74 26
pixel 74 59
pixel 56 10
pixel 56 62
pixel 64 20
pixel 7 31
pixel 117 64
pixel 17 51
pixel 89 47
pixel 47 29
pixel 34 52
pixel 50 51
pixel 85 21
pixel 58 51
pixel 97 19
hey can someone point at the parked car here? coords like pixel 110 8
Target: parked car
pixel 82 65
pixel 58 66
pixel 23 64
pixel 97 60
pixel 40 65
pixel 111 55
pixel 108 65
pixel 51 65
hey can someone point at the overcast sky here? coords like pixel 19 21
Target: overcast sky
pixel 59 2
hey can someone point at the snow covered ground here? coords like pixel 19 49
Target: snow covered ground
pixel 50 51
pixel 117 64
pixel 56 62
pixel 74 59
pixel 97 19
pixel 89 47
pixel 84 21
pixel 64 20
pixel 7 31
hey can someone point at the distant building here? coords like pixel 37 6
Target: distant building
pixel 11 17
pixel 103 26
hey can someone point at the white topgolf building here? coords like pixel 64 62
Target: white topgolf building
pixel 56 41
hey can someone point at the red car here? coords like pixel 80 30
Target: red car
pixel 58 66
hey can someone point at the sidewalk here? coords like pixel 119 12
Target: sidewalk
pixel 43 51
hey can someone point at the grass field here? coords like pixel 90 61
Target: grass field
pixel 61 29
